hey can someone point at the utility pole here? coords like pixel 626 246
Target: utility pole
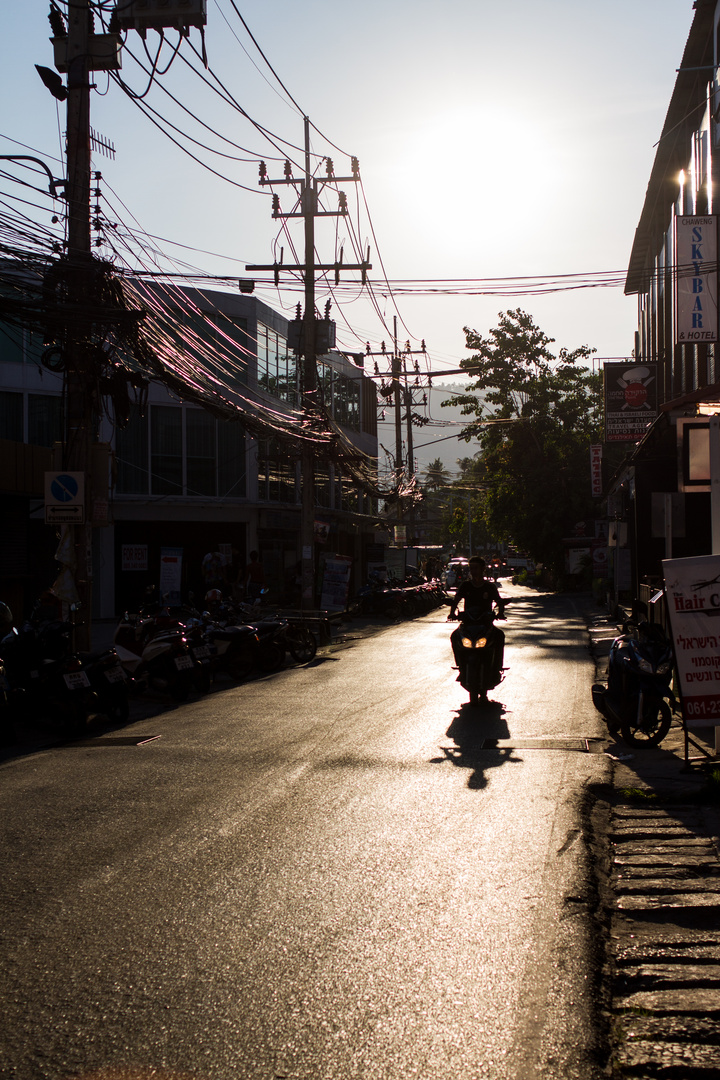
pixel 401 395
pixel 79 383
pixel 309 189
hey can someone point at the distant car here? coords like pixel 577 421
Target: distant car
pixel 456 570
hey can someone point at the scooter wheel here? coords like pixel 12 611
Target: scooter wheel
pixel 651 730
pixel 302 644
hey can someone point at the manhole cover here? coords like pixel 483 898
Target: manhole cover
pixel 585 746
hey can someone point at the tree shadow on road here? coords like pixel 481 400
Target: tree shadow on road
pixel 472 729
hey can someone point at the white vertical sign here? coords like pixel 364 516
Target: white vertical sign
pixel 696 288
pixel 692 589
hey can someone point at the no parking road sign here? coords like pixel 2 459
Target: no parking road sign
pixel 64 498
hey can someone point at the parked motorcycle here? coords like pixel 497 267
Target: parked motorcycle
pixel 46 682
pixel 638 700
pixel 478 647
pixel 156 657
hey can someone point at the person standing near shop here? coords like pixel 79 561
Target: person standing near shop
pixel 254 577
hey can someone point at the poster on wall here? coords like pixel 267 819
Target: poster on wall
pixel 693 601
pixel 696 290
pixel 630 394
pixel 171 574
pixel 335 583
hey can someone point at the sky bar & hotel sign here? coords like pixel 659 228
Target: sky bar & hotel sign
pixel 696 286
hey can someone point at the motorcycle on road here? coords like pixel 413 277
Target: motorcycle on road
pixel 478 646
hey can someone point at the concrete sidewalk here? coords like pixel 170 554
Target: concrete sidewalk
pixel 660 885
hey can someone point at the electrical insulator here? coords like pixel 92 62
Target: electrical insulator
pixel 367 347
pixel 422 345
pixel 288 169
pixel 276 205
pixel 377 369
pixel 342 202
pixel 355 166
pixel 263 170
pixel 382 347
pixel 329 166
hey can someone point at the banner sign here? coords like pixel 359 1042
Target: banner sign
pixel 335 583
pixel 630 392
pixel 693 600
pixel 171 574
pixel 596 470
pixel 696 290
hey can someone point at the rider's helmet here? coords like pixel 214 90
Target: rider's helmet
pixel 213 596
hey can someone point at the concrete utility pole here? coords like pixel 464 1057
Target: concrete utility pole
pixel 401 395
pixel 309 188
pixel 79 381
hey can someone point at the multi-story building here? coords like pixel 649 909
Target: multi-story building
pixel 660 498
pixel 182 475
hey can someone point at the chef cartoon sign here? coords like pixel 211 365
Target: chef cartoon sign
pixel 630 400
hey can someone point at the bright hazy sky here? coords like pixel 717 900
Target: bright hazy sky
pixel 496 138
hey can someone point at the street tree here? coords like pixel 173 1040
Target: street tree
pixel 538 416
pixel 436 475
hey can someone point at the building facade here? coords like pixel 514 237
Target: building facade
pixel 173 479
pixel 660 503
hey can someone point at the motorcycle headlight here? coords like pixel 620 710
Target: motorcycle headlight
pixel 665 668
pixel 645 666
pixel 471 643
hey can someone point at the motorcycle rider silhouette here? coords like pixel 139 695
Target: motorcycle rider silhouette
pixel 479 596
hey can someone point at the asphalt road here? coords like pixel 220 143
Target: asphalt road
pixel 321 874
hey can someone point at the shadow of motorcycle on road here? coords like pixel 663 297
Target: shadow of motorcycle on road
pixel 473 731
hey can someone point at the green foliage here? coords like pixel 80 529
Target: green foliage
pixel 539 416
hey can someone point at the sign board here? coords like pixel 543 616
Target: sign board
pixel 64 498
pixel 134 556
pixel 335 583
pixel 596 483
pixel 171 574
pixel 696 292
pixel 692 588
pixel 630 392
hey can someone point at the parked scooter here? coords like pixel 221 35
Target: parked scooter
pixel 156 657
pixel 478 647
pixel 46 682
pixel 638 700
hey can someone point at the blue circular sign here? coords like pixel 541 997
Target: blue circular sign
pixel 64 488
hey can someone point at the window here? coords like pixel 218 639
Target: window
pixel 276 368
pixel 45 419
pixel 131 447
pixel 209 452
pixel 231 459
pixel 276 473
pixel 166 450
pixel 11 416
pixel 201 453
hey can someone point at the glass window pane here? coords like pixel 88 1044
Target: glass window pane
pixel 45 419
pixel 200 434
pixel 231 459
pixel 131 451
pixel 166 443
pixel 11 416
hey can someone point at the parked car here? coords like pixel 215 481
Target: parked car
pixel 455 571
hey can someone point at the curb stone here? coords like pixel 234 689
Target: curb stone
pixel 662 896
